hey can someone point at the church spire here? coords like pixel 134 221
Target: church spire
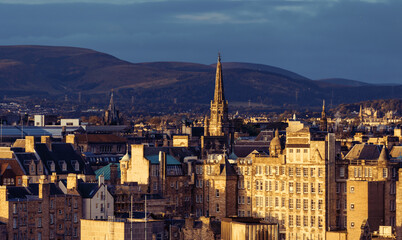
pixel 219 94
pixel 323 114
pixel 111 102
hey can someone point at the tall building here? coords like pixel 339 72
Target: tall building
pixel 293 186
pixel 218 123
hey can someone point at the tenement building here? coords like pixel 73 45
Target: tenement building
pixel 293 186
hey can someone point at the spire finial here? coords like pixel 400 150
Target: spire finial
pixel 219 56
pixel 323 104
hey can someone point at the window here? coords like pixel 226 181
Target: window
pixel 290 171
pixel 51 204
pixel 305 204
pixel 14 208
pixel 298 203
pixel 305 221
pixel 352 189
pixel 312 172
pixel 312 187
pixel 39 222
pixel 312 204
pixel 217 192
pixel 320 204
pixel 51 218
pixel 352 224
pixel 298 171
pixel 75 218
pixel 291 187
pixel 290 203
pixel 298 187
pixel 338 187
pixel 385 172
pixel 290 150
pixel 297 221
pixel 15 223
pixel 290 220
pixel 217 207
pixel 283 202
pixel 319 221
pixel 39 207
pixel 342 172
pixel 319 172
pixel 305 187
pixel 305 172
pixel 312 221
pixel 298 150
pixel 352 206
pixel 392 205
pixel 320 190
pixel 248 200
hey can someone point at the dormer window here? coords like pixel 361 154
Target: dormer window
pixel 76 165
pixel 63 165
pixel 52 166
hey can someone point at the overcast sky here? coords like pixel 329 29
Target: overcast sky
pixel 353 39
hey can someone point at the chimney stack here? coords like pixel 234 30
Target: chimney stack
pixel 46 140
pixel 25 181
pixel 29 144
pixel 44 187
pixel 71 181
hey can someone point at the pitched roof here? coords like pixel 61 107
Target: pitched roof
pixel 99 138
pixel 87 190
pixel 364 152
pixel 62 152
pixel 396 152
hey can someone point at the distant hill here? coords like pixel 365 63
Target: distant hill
pixel 343 82
pixel 54 72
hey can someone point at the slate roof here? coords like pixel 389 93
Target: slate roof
pixel 99 138
pixel 32 191
pixel 364 152
pixel 62 152
pixel 87 190
pixel 25 159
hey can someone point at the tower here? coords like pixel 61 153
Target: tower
pixel 218 124
pixel 323 120
pixel 111 114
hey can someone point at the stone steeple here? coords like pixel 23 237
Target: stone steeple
pixel 218 124
pixel 111 114
pixel 219 95
pixel 323 120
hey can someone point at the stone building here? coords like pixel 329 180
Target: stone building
pixel 40 211
pixel 370 190
pixel 292 186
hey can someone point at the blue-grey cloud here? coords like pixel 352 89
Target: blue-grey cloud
pixel 357 39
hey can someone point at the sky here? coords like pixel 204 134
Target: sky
pixel 353 39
